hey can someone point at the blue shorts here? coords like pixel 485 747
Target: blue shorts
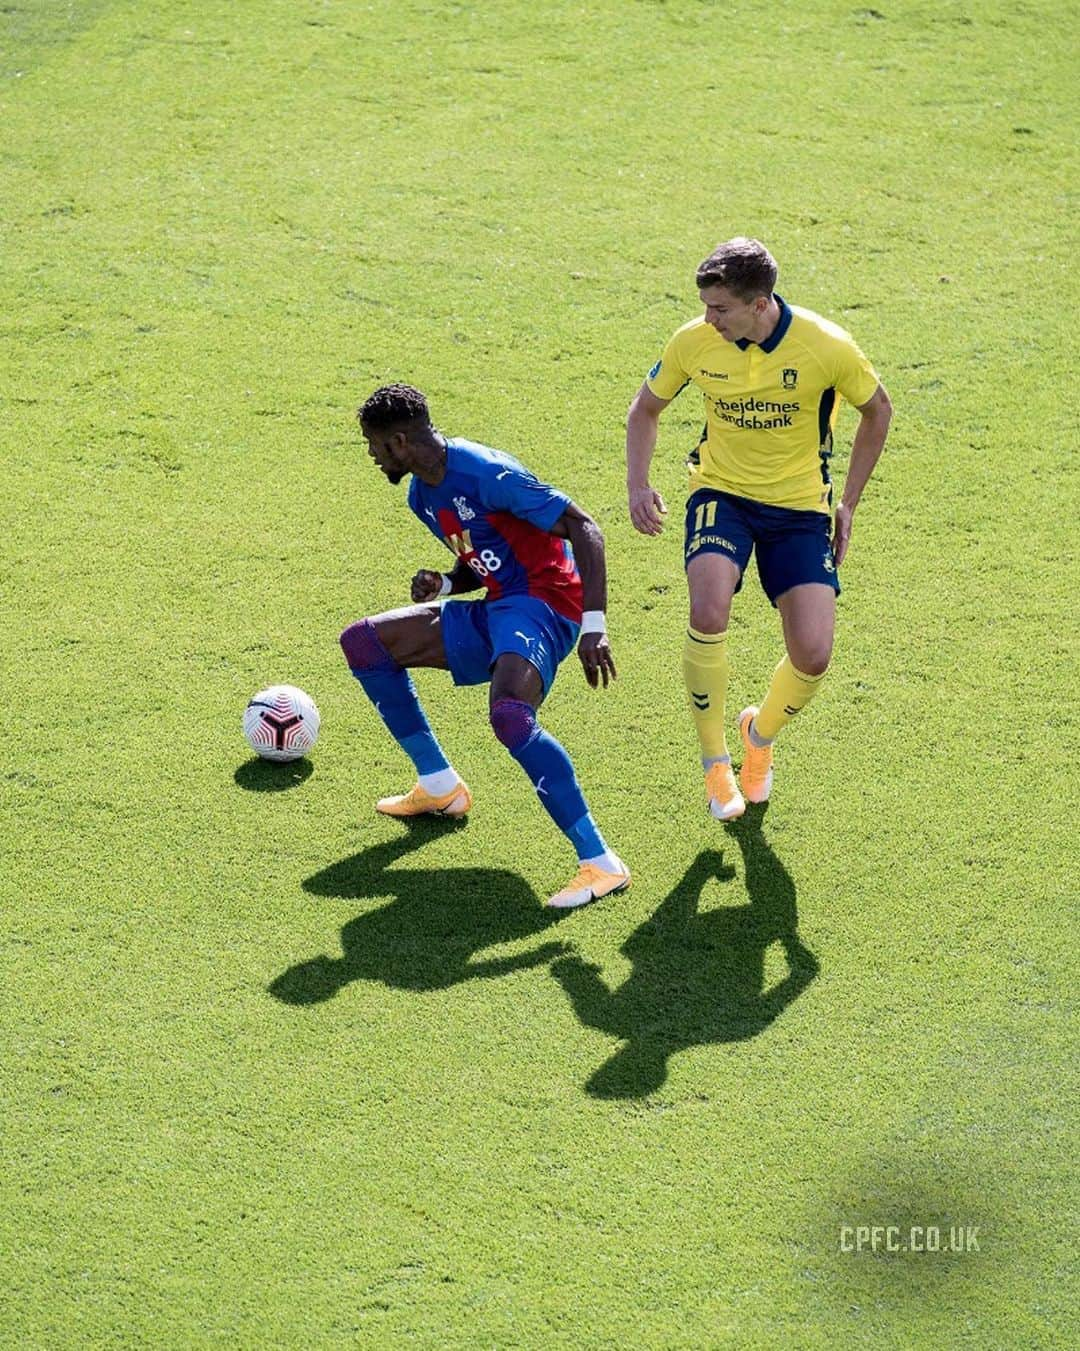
pixel 792 547
pixel 476 632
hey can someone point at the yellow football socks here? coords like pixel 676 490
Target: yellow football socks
pixel 789 691
pixel 705 670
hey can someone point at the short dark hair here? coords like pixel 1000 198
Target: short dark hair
pixel 744 266
pixel 392 404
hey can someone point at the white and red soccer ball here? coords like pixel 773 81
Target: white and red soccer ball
pixel 281 723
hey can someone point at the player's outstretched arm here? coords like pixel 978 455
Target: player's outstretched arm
pixel 587 541
pixel 647 508
pixel 874 418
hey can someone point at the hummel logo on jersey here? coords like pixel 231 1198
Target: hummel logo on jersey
pixel 714 375
pixel 701 701
pixel 464 511
pixel 791 377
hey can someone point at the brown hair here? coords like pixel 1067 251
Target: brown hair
pixel 743 266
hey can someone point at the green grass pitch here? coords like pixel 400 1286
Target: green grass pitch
pixel 277 1072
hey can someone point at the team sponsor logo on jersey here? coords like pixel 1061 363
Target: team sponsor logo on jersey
pixel 464 511
pixel 655 371
pixel 790 377
pixel 744 412
pixel 461 544
pixel 483 563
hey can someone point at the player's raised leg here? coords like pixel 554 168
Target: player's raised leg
pixel 808 614
pixel 516 692
pixel 712 578
pixel 379 650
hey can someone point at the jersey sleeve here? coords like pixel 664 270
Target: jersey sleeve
pixel 854 377
pixel 513 488
pixel 669 376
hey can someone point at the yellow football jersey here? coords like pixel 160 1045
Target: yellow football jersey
pixel 769 407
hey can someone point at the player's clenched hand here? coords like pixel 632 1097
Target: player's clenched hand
pixel 595 653
pixel 841 533
pixel 647 510
pixel 426 585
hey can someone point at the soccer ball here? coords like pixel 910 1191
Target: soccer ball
pixel 281 723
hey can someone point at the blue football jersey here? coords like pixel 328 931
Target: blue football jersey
pixel 496 516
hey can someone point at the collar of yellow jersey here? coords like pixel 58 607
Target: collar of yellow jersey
pixel 776 337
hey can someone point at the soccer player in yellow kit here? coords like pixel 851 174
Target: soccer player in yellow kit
pixel 771 375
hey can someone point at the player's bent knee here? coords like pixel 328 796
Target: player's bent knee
pixel 364 649
pixel 814 662
pixel 710 618
pixel 513 721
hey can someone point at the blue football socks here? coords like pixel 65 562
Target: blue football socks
pixel 551 772
pixel 390 688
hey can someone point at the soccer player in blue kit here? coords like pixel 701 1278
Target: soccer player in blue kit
pixel 541 561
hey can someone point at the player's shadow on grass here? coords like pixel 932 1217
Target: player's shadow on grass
pixel 428 936
pixel 266 776
pixel 697 978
